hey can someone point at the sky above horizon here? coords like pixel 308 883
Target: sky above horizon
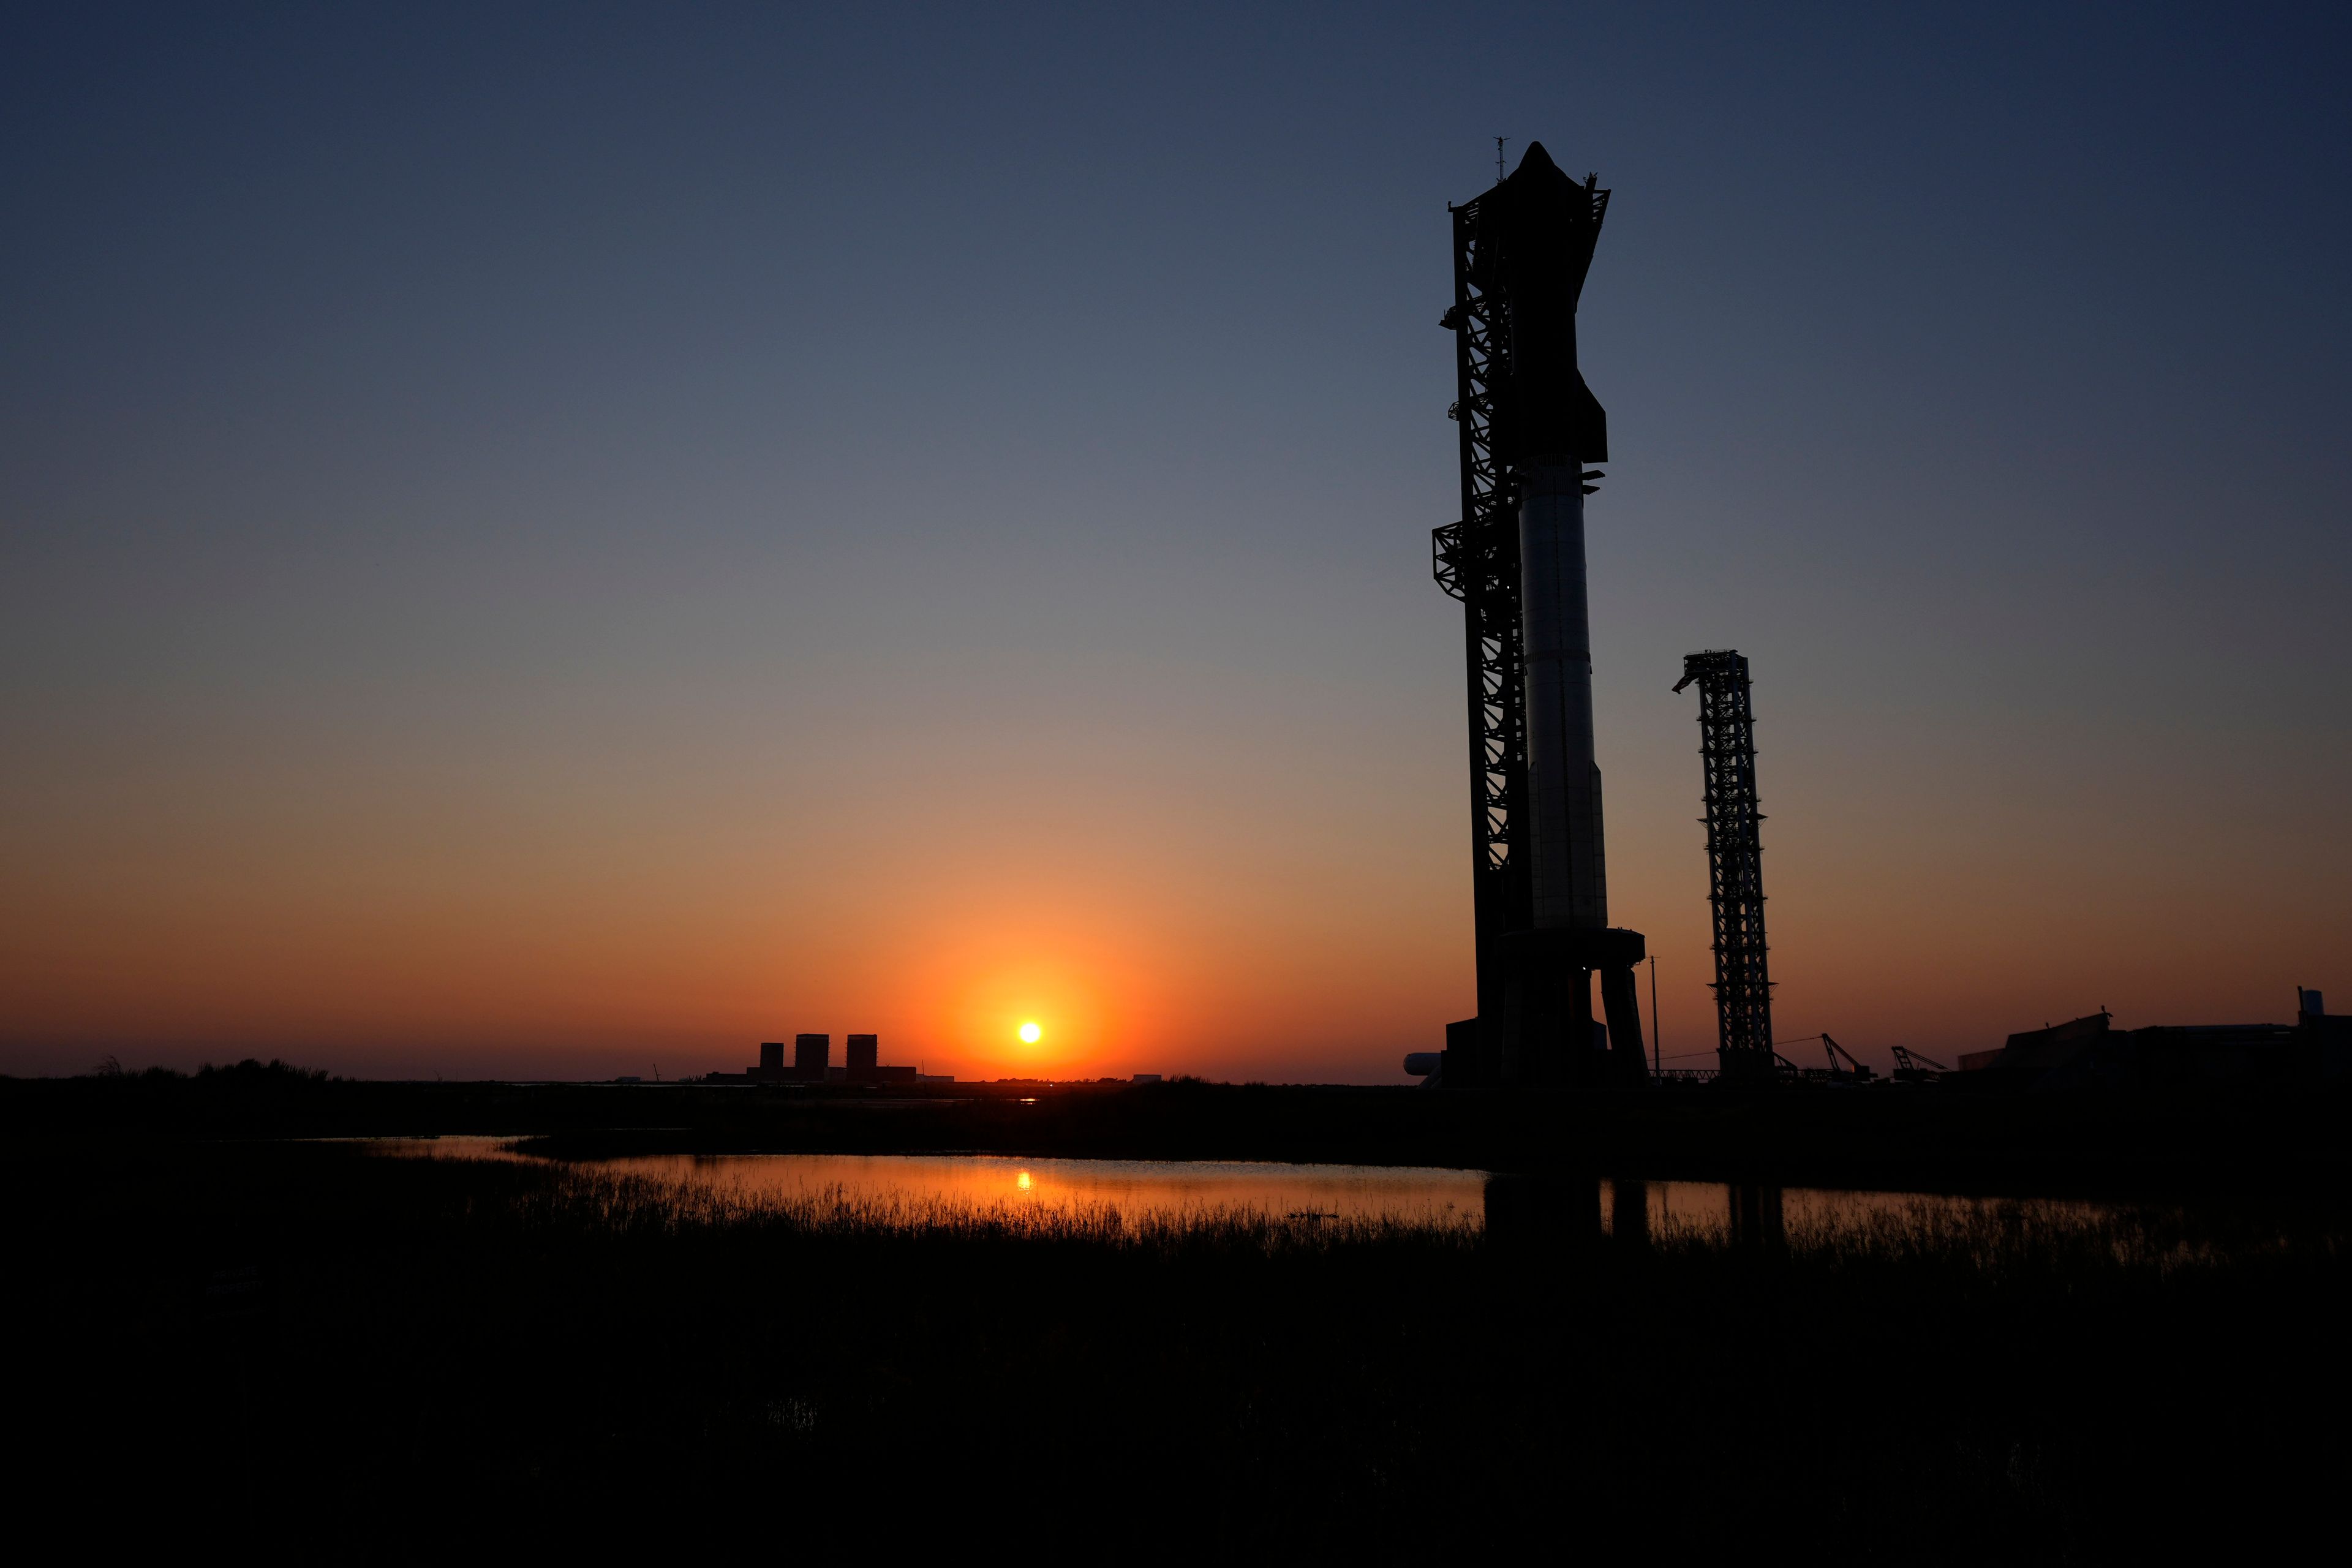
pixel 563 541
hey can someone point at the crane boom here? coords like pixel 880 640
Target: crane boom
pixel 1843 1063
pixel 1837 1051
pixel 1910 1064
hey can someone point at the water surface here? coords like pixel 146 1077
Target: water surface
pixel 1183 1190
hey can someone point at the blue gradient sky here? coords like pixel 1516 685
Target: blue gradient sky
pixel 554 541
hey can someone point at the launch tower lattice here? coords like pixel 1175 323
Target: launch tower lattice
pixel 1528 425
pixel 1735 859
pixel 1477 560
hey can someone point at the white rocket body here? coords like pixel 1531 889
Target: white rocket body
pixel 1563 815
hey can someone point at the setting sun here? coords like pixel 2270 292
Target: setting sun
pixel 1030 1033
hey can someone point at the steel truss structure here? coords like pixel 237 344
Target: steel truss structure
pixel 1735 859
pixel 1476 561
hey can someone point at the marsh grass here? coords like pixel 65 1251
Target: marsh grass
pixel 623 1204
pixel 1991 1238
pixel 2008 1236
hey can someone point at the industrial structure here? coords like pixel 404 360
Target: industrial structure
pixel 1844 1067
pixel 1734 862
pixel 812 1063
pixel 812 1054
pixel 2090 1053
pixel 1529 431
pixel 1515 560
pixel 1910 1066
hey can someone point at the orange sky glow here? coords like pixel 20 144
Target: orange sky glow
pixel 813 538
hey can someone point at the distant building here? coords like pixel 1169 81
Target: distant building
pixel 811 1055
pixel 865 1065
pixel 771 1068
pixel 1145 1078
pixel 2044 1048
pixel 811 1063
pixel 2090 1053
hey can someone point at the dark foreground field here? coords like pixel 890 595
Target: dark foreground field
pixel 262 1346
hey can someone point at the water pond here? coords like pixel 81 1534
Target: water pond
pixel 1144 1190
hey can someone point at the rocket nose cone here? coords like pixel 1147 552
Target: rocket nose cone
pixel 1537 171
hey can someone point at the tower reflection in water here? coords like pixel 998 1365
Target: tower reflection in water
pixel 1755 1219
pixel 1585 1209
pixel 1545 1208
pixel 1629 1212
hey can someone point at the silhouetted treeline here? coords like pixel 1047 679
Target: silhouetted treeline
pixel 1892 1136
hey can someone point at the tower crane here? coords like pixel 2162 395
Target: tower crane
pixel 1843 1068
pixel 1910 1066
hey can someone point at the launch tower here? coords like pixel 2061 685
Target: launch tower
pixel 1735 861
pixel 1515 560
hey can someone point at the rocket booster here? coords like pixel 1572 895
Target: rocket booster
pixel 1530 428
pixel 1548 228
pixel 1570 884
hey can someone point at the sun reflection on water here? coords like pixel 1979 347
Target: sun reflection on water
pixel 1188 1191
